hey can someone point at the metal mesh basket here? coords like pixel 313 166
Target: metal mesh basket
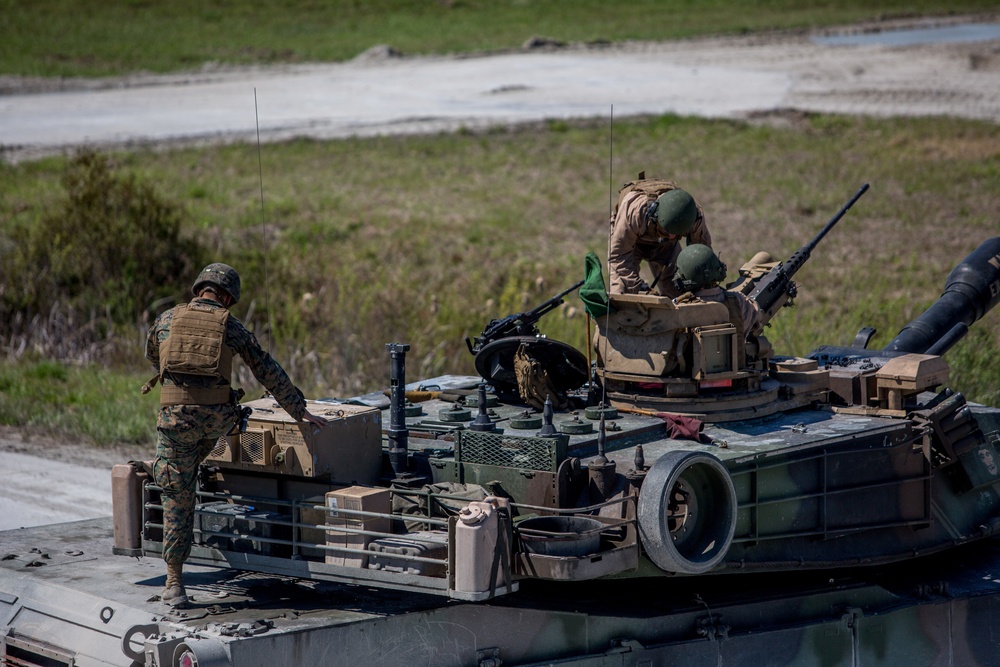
pixel 511 451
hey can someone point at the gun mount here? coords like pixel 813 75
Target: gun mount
pixel 688 358
pixel 497 348
pixel 517 324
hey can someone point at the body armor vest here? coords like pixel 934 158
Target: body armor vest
pixel 651 187
pixel 195 356
pixel 646 247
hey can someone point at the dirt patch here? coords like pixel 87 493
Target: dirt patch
pixel 77 453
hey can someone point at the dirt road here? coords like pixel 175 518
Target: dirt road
pixel 949 68
pixel 48 480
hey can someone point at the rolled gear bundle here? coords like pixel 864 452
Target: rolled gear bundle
pixel 533 382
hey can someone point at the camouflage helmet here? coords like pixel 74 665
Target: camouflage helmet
pixel 674 212
pixel 219 275
pixel 698 266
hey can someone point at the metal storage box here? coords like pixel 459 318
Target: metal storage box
pixel 348 451
pixel 244 523
pixel 386 553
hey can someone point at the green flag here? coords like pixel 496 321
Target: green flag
pixel 592 292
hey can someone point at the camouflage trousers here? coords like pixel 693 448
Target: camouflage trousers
pixel 186 434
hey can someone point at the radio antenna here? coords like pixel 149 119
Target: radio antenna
pixel 611 195
pixel 263 225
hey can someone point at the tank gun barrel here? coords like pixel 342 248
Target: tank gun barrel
pixel 800 256
pixel 971 290
pixel 776 287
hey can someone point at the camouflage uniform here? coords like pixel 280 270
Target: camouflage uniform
pixel 186 434
pixel 634 239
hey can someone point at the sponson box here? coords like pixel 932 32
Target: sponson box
pixel 347 451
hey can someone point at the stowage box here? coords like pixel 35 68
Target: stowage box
pixel 231 527
pixel 357 498
pixel 391 553
pixel 347 451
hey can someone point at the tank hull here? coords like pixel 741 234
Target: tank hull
pixel 933 610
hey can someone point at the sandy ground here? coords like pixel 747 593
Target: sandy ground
pixel 764 77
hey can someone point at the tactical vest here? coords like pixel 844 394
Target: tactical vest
pixel 651 187
pixel 196 346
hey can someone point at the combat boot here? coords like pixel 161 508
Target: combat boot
pixel 173 592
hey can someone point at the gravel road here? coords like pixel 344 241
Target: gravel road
pixel 949 68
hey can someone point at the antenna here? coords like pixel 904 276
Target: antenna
pixel 263 226
pixel 611 191
pixel 611 168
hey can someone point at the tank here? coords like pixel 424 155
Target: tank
pixel 687 496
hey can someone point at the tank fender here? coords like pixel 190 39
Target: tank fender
pixel 687 512
pixel 147 630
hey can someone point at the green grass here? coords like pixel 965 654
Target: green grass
pixel 92 38
pixel 80 403
pixel 425 239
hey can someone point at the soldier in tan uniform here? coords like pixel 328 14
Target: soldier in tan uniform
pixel 651 218
pixel 699 272
pixel 192 347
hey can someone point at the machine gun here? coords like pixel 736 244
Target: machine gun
pixel 775 287
pixel 518 324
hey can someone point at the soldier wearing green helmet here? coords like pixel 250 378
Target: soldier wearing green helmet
pixel 699 272
pixel 651 218
pixel 191 346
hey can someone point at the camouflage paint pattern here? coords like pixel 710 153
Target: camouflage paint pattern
pixel 186 434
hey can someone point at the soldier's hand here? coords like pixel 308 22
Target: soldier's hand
pixel 313 419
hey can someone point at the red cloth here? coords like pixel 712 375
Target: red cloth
pixel 683 428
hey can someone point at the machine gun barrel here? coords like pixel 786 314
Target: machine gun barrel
pixel 775 288
pixel 971 290
pixel 518 324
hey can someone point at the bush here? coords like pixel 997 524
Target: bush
pixel 93 265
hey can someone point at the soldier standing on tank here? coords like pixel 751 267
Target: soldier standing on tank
pixel 651 218
pixel 192 347
pixel 699 272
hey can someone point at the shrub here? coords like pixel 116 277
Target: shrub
pixel 93 264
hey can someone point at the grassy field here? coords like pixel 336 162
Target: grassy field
pixel 425 239
pixel 96 38
pixel 476 226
